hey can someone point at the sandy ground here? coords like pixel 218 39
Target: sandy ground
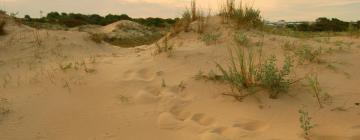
pixel 59 85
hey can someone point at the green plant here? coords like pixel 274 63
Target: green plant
pixel 305 122
pixel 273 78
pixel 243 15
pixel 309 54
pixel 241 38
pixel 210 38
pixel 241 70
pixel 288 46
pixel 315 86
pixel 2 26
pixel 166 47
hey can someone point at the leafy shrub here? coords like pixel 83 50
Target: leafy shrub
pixel 305 122
pixel 273 78
pixel 2 26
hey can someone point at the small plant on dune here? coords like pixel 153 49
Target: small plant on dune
pixel 2 26
pixel 273 78
pixel 241 72
pixel 244 16
pixel 315 87
pixel 305 123
pixel 97 37
pixel 186 20
pixel 3 107
pixel 166 47
pixel 241 38
pixel 309 54
pixel 210 38
pixel 287 46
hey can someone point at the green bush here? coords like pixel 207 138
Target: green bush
pixel 244 73
pixel 273 78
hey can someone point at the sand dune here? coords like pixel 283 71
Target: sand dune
pixel 60 85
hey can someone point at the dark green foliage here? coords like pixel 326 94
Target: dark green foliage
pixel 75 19
pixel 323 24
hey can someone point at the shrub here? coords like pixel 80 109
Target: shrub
pixel 2 26
pixel 274 79
pixel 305 122
pixel 244 72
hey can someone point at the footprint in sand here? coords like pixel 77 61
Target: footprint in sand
pixel 146 96
pixel 252 126
pixel 144 74
pixel 167 120
pixel 202 119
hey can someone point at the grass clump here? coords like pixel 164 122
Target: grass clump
pixel 316 89
pixel 305 123
pixel 210 38
pixel 243 15
pixel 244 72
pixel 2 26
pixel 164 48
pixel 241 38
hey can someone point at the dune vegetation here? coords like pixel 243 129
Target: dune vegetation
pixel 223 75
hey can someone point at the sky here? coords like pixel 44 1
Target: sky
pixel 273 10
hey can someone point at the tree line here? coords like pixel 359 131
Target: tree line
pixel 323 24
pixel 76 19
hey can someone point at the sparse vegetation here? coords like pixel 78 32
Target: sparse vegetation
pixel 241 38
pixel 243 15
pixel 97 37
pixel 309 54
pixel 316 89
pixel 274 79
pixel 305 123
pixel 244 72
pixel 210 38
pixel 165 47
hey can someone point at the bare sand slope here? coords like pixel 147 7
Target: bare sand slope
pixel 130 94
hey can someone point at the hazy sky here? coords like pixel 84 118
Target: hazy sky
pixel 271 9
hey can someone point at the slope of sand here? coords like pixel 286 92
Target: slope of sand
pixel 110 93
